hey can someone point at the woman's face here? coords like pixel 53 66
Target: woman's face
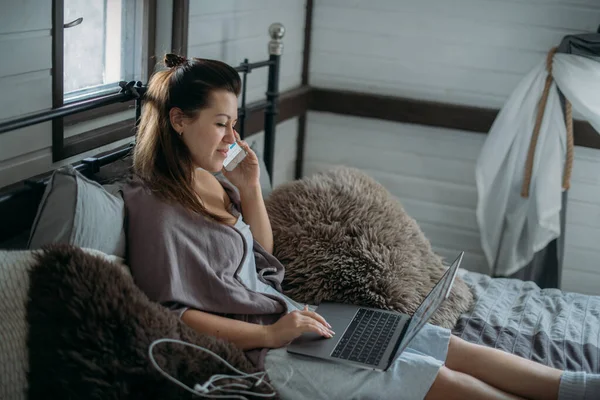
pixel 209 135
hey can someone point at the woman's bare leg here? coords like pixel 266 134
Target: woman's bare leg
pixel 507 372
pixel 454 385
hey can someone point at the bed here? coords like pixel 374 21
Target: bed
pixel 549 326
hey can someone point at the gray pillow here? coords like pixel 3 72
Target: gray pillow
pixel 76 210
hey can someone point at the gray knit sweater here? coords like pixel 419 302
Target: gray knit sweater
pixel 579 386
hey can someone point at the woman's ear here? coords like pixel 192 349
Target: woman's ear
pixel 177 119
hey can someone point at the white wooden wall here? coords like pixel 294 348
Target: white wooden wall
pixel 461 51
pixel 25 82
pixel 582 253
pixel 465 52
pixel 231 30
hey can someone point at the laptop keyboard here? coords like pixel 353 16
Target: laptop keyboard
pixel 367 337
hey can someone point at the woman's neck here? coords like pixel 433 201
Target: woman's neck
pixel 203 178
pixel 212 194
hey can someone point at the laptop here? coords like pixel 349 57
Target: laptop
pixel 369 337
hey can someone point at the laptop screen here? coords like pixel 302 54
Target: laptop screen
pixel 430 305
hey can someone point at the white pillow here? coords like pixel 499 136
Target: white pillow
pixel 14 289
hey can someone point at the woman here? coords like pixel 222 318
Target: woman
pixel 200 243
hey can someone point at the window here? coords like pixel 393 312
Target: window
pixel 102 42
pixel 96 44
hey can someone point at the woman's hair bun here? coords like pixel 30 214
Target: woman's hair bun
pixel 173 60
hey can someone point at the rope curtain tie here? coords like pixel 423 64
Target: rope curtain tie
pixel 566 184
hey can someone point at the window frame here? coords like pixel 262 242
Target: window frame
pixel 180 26
pixel 62 147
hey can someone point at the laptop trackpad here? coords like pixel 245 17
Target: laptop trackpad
pixel 312 343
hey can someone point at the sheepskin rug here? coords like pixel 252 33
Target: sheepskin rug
pixel 343 237
pixel 90 328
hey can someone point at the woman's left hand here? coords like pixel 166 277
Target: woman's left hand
pixel 246 175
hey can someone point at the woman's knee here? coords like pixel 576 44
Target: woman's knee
pixel 445 386
pixel 454 385
pixel 457 351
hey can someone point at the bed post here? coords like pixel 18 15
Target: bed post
pixel 276 31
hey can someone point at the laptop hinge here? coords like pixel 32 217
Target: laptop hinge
pixel 397 345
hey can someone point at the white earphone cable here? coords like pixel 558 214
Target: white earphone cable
pixel 208 389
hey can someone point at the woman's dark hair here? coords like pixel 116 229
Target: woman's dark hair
pixel 161 159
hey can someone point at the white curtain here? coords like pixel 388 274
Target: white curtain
pixel 514 228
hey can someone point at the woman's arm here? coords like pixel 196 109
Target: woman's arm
pixel 243 334
pixel 246 177
pixel 255 214
pixel 248 336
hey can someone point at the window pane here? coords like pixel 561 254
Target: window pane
pixel 104 48
pixel 84 44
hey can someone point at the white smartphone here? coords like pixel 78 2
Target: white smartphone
pixel 234 156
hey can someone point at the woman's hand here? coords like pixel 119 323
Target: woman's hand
pixel 246 175
pixel 294 324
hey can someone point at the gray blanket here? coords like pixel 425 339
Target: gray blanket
pixel 549 326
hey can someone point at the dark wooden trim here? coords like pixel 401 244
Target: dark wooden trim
pixel 181 18
pixel 453 116
pixel 292 103
pixel 300 144
pixel 57 76
pixel 403 110
pixel 307 41
pixel 151 38
pixel 301 137
pixel 99 137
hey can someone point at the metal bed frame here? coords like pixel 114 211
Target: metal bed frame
pixel 29 194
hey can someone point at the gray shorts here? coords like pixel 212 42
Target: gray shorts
pixel 298 377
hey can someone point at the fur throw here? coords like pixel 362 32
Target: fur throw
pixel 343 237
pixel 90 328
